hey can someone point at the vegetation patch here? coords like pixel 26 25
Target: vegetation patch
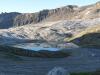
pixel 88 40
pixel 90 37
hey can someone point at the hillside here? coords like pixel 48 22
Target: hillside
pixel 41 42
pixel 69 12
pixel 90 37
pixel 45 32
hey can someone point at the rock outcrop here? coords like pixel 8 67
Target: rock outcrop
pixel 7 19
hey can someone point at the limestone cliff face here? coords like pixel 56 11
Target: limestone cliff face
pixel 45 15
pixel 29 18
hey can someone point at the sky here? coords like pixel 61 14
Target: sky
pixel 30 6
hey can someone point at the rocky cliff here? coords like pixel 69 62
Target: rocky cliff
pixel 45 15
pixel 7 19
pixel 69 12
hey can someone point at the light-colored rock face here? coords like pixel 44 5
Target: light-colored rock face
pixel 47 31
pixel 90 12
pixel 58 71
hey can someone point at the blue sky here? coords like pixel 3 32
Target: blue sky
pixel 37 5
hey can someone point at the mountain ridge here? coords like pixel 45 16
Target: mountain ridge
pixel 69 12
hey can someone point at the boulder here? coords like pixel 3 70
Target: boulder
pixel 58 71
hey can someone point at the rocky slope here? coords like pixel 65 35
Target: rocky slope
pixel 45 15
pixel 90 37
pixel 64 13
pixel 46 32
pixel 69 12
pixel 52 26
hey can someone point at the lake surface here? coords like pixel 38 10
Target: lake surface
pixel 51 46
pixel 42 48
pixel 37 47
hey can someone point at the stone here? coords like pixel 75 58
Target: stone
pixel 58 71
